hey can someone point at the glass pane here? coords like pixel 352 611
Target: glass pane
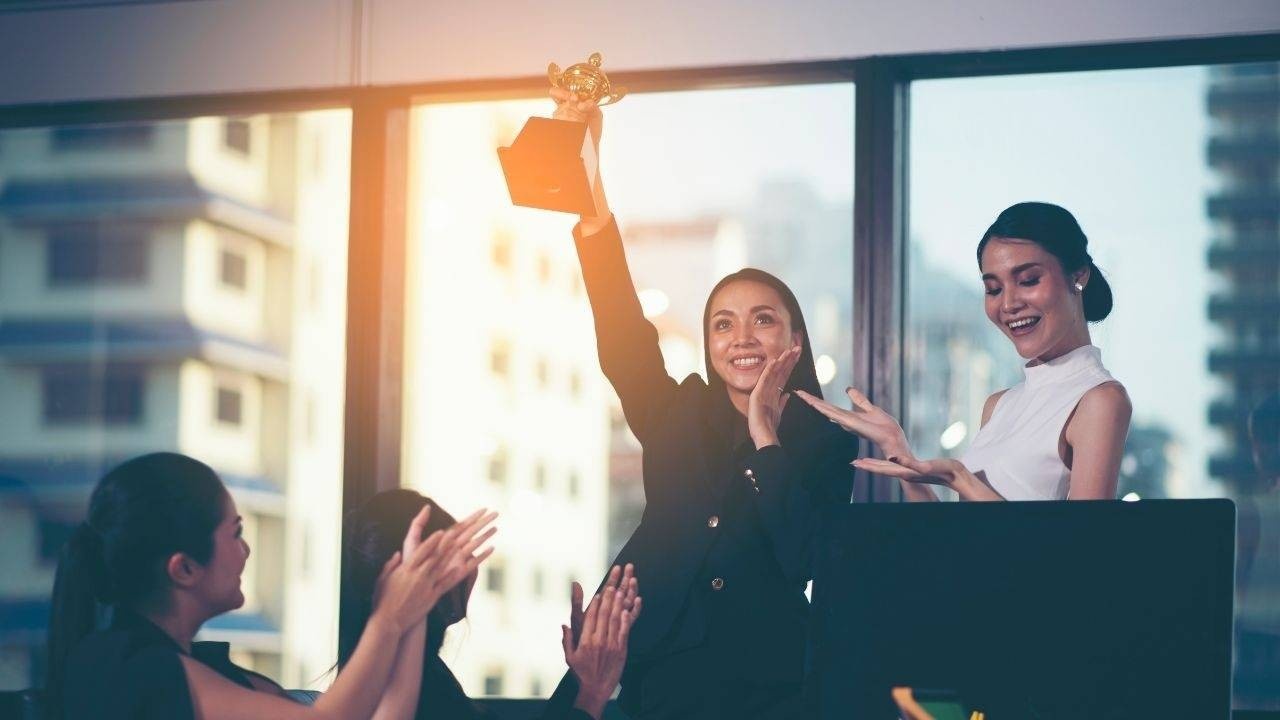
pixel 507 406
pixel 1172 173
pixel 177 286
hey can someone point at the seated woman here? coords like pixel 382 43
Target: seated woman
pixel 595 642
pixel 161 549
pixel 1060 433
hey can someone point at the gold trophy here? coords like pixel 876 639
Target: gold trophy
pixel 552 163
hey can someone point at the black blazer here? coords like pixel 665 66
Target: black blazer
pixel 723 548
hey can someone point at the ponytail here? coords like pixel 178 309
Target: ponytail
pixel 74 611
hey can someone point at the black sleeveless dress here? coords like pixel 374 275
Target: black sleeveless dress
pixel 132 671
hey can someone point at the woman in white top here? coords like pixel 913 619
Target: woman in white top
pixel 1057 435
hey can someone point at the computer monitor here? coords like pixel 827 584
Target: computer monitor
pixel 1027 610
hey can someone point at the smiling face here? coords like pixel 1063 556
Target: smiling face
pixel 747 326
pixel 219 582
pixel 1032 300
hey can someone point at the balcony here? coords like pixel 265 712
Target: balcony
pixel 1243 204
pixel 1240 150
pixel 1237 308
pixel 1243 252
pixel 1245 362
pixel 1238 466
pixel 1241 97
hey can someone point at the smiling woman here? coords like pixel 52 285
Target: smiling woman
pixel 1060 433
pixel 733 479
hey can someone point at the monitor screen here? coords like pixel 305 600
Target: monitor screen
pixel 1026 610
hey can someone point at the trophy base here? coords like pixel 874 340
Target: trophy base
pixel 551 165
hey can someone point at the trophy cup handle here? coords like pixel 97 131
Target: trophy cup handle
pixel 553 74
pixel 614 96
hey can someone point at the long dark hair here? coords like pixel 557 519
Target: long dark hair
pixel 1055 229
pixel 804 376
pixel 372 533
pixel 140 514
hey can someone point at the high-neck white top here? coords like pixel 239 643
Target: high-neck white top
pixel 1017 450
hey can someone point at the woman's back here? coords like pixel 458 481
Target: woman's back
pixel 133 670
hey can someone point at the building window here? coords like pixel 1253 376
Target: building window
pixel 495 577
pixel 501 251
pixel 535 687
pixel 539 477
pixel 500 358
pixel 574 482
pixel 230 403
pixel 493 682
pixel 544 374
pixel 122 136
pixel 237 135
pixel 87 254
pixel 54 533
pixel 233 269
pixel 90 394
pixel 498 467
pixel 544 268
pixel 539 584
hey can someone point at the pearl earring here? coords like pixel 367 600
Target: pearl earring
pixel 1079 288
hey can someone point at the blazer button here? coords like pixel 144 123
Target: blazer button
pixel 717 583
pixel 713 521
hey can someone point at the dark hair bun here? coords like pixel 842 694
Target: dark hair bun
pixel 1096 296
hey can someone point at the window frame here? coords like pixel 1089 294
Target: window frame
pixel 379 194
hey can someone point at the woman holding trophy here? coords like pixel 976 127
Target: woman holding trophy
pixel 733 477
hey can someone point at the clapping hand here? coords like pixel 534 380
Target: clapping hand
pixel 764 407
pixel 867 420
pixel 413 580
pixel 595 641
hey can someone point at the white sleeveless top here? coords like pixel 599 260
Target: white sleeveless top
pixel 1017 450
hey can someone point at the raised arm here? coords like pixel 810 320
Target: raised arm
pixel 627 343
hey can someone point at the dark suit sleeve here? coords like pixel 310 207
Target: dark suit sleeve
pixel 627 343
pixel 560 705
pixel 788 503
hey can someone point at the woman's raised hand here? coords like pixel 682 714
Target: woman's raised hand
pixel 416 577
pixel 867 420
pixel 764 407
pixel 571 107
pixel 597 657
pixel 941 471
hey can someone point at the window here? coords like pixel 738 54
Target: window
pixel 498 468
pixel 121 137
pixel 54 533
pixel 539 584
pixel 501 249
pixel 237 135
pixel 1169 174
pixel 233 269
pixel 500 358
pixel 116 340
pixel 89 394
pixel 493 682
pixel 759 186
pixel 229 401
pixel 89 254
pixel 495 577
